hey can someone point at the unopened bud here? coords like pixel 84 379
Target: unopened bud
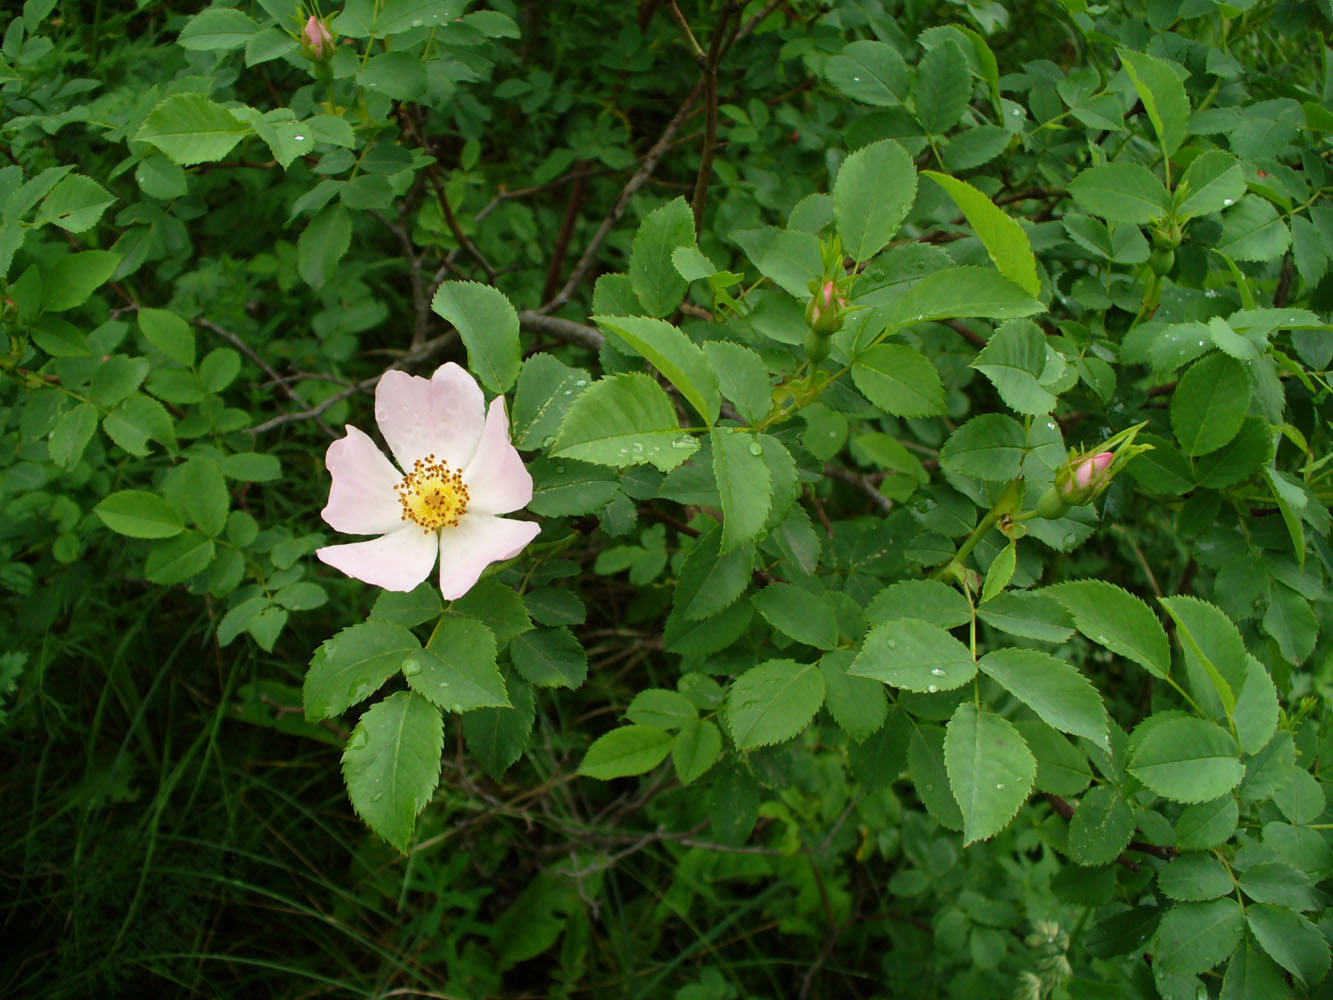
pixel 1084 477
pixel 825 310
pixel 1092 468
pixel 317 39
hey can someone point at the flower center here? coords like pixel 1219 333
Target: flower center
pixel 432 495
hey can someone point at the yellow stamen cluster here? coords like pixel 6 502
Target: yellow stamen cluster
pixel 432 495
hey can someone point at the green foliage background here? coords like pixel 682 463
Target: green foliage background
pixel 795 695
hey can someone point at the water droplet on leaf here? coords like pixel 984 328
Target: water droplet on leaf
pixel 756 448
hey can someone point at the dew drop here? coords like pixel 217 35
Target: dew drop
pixel 682 442
pixel 1201 343
pixel 1017 112
pixel 548 441
pixel 893 644
pixel 856 79
pixel 638 448
pixel 1050 425
pixel 1228 201
pixel 416 22
pixel 937 671
pixel 559 470
pixel 411 668
pixel 756 448
pixel 569 392
pixel 581 383
pixel 377 796
pixel 359 740
pixel 999 785
pixel 300 138
pixel 931 688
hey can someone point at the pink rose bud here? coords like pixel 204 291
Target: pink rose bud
pixel 1091 468
pixel 317 36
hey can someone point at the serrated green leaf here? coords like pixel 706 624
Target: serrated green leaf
pixel 1252 975
pixel 137 418
pixel 218 28
pixel 872 194
pixel 1193 877
pixel 190 129
pixel 805 616
pixel 352 665
pixel 1117 620
pixel 75 276
pixel 496 737
pixel 991 770
pixel 139 515
pixel 773 702
pixel 858 704
pixel 1279 883
pixel 1207 824
pixel 709 581
pixel 71 434
pixel 1291 621
pixel 788 258
pixel 170 334
pixel 546 389
pixel 322 244
pixel 1015 360
pixel 990 447
pixel 1257 712
pixel 673 354
pixel 1213 181
pixel 912 654
pixel 1004 239
pixel 1193 937
pixel 1187 760
pixel 457 671
pixel 488 325
pixel 1253 230
pixel 75 204
pixel 661 708
pixel 742 377
pixel 695 749
pixel 1214 651
pixel 744 485
pixel 1100 828
pixel 925 764
pixel 180 558
pixel 656 282
pixel 550 657
pixel 626 751
pixel 623 420
pixel 392 764
pixel 1054 689
pixel 203 493
pixel 1291 939
pixel 1162 94
pixel 899 380
pixel 1121 192
pixel 961 291
pixel 942 88
pixel 871 72
pixel 1209 404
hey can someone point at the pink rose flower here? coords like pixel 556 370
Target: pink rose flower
pixel 461 473
pixel 317 35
